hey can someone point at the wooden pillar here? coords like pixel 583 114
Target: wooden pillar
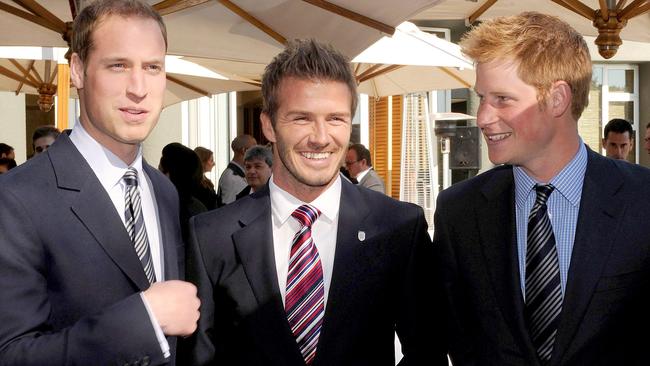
pixel 63 95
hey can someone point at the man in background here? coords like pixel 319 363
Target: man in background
pixel 233 178
pixel 91 244
pixel 7 151
pixel 258 161
pixel 359 165
pixel 43 137
pixel 618 139
pixel 6 165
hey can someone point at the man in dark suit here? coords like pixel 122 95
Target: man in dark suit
pixel 90 244
pixel 545 258
pixel 312 269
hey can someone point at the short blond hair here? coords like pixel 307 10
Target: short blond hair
pixel 545 49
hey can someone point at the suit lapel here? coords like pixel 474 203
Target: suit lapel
pixel 168 221
pixel 254 245
pixel 499 244
pixel 95 210
pixel 595 233
pixel 353 211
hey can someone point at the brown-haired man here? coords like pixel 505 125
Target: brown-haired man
pixel 313 270
pixel 545 258
pixel 90 233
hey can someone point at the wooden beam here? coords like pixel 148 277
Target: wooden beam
pixel 636 7
pixel 359 18
pixel 385 70
pixel 482 9
pixel 73 9
pixel 35 73
pixel 172 6
pixel 26 71
pixel 369 70
pixel 254 21
pixel 29 17
pixel 63 95
pixel 54 74
pixel 47 70
pixel 12 75
pixel 577 7
pixel 604 9
pixel 40 11
pixel 620 4
pixel 447 71
pixel 188 86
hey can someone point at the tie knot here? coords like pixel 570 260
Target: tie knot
pixel 306 215
pixel 131 177
pixel 543 191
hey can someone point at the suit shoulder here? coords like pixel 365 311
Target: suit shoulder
pixel 471 187
pixel 35 172
pixel 383 204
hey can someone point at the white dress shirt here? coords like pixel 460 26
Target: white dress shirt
pixel 323 231
pixel 361 175
pixel 110 170
pixel 231 184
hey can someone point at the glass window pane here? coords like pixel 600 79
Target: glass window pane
pixel 620 80
pixel 596 77
pixel 589 124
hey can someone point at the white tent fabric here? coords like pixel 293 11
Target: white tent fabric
pixel 426 63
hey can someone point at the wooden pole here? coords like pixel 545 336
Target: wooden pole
pixel 63 95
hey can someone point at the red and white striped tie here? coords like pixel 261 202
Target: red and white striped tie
pixel 304 301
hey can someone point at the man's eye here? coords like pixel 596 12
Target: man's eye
pixel 153 68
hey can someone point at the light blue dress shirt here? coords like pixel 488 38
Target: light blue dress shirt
pixel 563 207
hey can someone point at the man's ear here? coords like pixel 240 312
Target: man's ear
pixel 267 127
pixel 76 71
pixel 560 98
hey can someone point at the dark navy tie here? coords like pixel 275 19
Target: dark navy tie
pixel 543 289
pixel 135 222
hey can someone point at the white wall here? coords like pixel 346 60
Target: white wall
pixel 169 129
pixel 12 123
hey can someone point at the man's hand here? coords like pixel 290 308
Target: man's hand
pixel 175 306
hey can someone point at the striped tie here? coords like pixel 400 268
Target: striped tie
pixel 135 222
pixel 543 289
pixel 304 302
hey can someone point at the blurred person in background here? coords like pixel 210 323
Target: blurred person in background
pixel 206 194
pixel 7 151
pixel 258 161
pixel 43 137
pixel 183 167
pixel 6 165
pixel 233 178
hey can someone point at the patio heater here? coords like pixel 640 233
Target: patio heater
pixel 459 144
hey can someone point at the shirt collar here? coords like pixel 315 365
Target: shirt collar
pixel 283 203
pixel 108 168
pixel 362 174
pixel 568 182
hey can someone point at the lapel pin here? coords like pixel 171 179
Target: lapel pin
pixel 361 235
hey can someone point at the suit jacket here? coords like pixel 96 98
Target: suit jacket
pixel 373 181
pixel 380 284
pixel 607 293
pixel 244 192
pixel 69 275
